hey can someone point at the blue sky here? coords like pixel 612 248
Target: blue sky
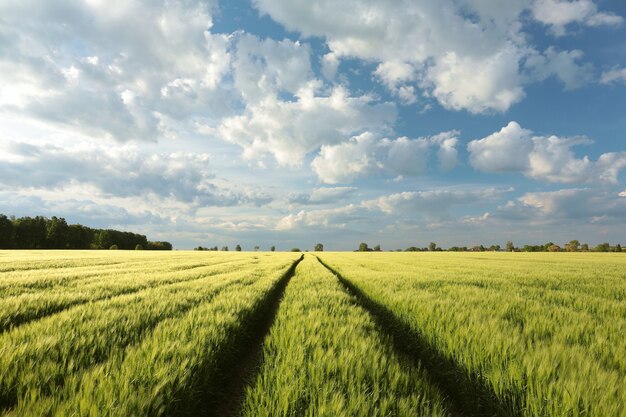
pixel 291 122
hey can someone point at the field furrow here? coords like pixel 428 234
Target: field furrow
pixel 20 309
pixel 173 370
pixel 507 348
pixel 325 356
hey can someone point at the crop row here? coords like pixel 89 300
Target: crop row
pixel 27 306
pixel 325 356
pixel 523 336
pixel 46 365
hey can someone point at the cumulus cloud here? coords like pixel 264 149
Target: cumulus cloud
pixel 583 205
pixel 547 158
pixel 411 206
pixel 564 65
pixel 615 75
pixel 111 69
pixel 288 130
pixel 119 171
pixel 480 66
pixel 395 75
pixel 558 14
pixel 263 67
pixel 367 155
pixel 347 161
pixel 94 214
pixel 322 195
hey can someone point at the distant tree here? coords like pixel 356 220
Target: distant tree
pixel 273 249
pixel 432 246
pixel 225 248
pixel 6 232
pixel 584 247
pixel 295 250
pixel 238 248
pixel 603 247
pixel 363 247
pixel 79 236
pixel 494 248
pixel 572 246
pixel 509 246
pixel 377 248
pixel 57 233
pixel 618 248
pixel 138 247
pixel 319 247
pixel 30 233
pixel 113 247
pixel 412 249
pixel 554 248
pixel 256 248
pixel 159 246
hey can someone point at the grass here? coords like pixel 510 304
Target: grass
pixel 519 334
pixel 324 356
pixel 115 333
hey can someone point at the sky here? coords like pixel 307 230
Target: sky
pixel 296 122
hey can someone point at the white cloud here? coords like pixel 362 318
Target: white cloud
pixel 263 67
pixel 124 171
pixel 558 14
pixel 395 75
pixel 615 75
pixel 547 158
pixel 415 207
pixel 322 195
pixel 347 161
pixel 503 151
pixel 563 65
pixel 367 155
pixel 111 69
pixel 478 84
pixel 288 130
pixel 480 66
pixel 584 205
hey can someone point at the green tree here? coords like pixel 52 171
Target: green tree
pixel 225 248
pixel 6 232
pixel 57 233
pixel 295 250
pixel 509 246
pixel 377 248
pixel 256 248
pixel 572 246
pixel 138 247
pixel 363 247
pixel 238 248
pixel 554 248
pixel 432 246
pixel 113 247
pixel 273 249
pixel 603 247
pixel 319 247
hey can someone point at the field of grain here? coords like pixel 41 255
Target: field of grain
pixel 115 333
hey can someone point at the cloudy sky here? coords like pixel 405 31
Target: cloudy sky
pixel 292 122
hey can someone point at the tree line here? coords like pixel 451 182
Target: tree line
pixel 571 246
pixel 55 233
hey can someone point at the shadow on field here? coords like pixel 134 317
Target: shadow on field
pixel 239 368
pixel 470 393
